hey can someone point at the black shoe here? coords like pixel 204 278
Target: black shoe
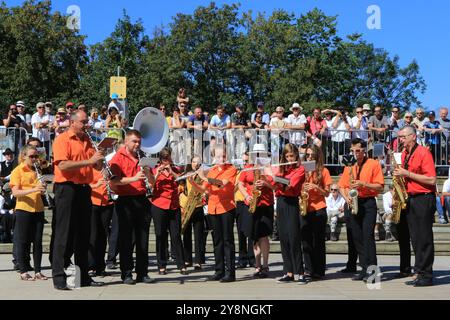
pixel 359 276
pixel 128 280
pixel 112 266
pixel 347 270
pixel 422 282
pixel 162 272
pixel 62 288
pixel 93 283
pixel 198 267
pixel 216 277
pixel 228 279
pixel 102 274
pixel 184 272
pixel 404 275
pixel 286 278
pixel 302 279
pixel 145 279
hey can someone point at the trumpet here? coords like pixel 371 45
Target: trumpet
pixel 41 179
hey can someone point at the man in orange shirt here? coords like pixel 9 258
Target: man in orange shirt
pixel 219 185
pixel 367 178
pixel 416 222
pixel 74 159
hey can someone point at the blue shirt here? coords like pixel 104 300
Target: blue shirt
pixel 221 123
pixel 432 138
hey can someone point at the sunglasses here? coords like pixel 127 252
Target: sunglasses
pixel 406 135
pixel 334 190
pixel 40 107
pixel 394 111
pixel 357 150
pixel 34 156
pixel 310 154
pixel 279 111
pixel 358 112
pixel 408 117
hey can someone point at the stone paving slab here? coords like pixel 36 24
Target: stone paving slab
pixel 195 287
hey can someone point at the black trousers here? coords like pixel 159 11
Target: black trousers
pixel 288 219
pixel 362 227
pixel 246 254
pixel 113 239
pixel 167 221
pixel 197 224
pixel 419 216
pixel 72 229
pixel 352 253
pixel 134 218
pixel 223 239
pixel 100 222
pixel 28 229
pixel 313 227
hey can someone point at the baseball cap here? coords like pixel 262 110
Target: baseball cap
pixel 366 107
pixel 20 104
pixel 114 96
pixel 61 110
pixel 69 104
pixel 40 105
pixel 431 113
pixel 260 104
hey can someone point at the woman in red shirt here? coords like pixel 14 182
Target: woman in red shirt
pixel 313 225
pixel 288 217
pixel 219 185
pixel 260 225
pixel 166 211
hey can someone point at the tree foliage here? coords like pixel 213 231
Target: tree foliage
pixel 220 54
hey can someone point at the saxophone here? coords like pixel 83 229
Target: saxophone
pixel 353 194
pixel 400 195
pixel 255 193
pixel 191 203
pixel 304 197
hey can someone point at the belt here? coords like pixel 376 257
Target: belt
pixel 413 195
pixel 70 183
pixel 365 198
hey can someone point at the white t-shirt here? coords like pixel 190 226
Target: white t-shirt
pixel 362 132
pixel 298 137
pixel 333 205
pixel 341 133
pixel 42 134
pixel 221 123
pixel 446 187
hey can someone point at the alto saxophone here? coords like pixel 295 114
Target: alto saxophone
pixel 191 203
pixel 353 194
pixel 304 197
pixel 400 195
pixel 255 193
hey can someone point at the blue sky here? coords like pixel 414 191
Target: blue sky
pixel 413 29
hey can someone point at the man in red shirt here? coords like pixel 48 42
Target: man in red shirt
pixel 133 208
pixel 416 222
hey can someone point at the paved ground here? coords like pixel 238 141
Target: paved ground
pixel 194 286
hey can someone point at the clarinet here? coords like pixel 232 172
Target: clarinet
pixel 108 176
pixel 148 188
pixel 41 179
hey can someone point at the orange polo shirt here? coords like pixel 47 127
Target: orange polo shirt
pixel 123 165
pixel 221 200
pixel 421 162
pixel 165 190
pixel 99 196
pixel 69 147
pixel 371 173
pixel 25 178
pixel 248 179
pixel 296 175
pixel 316 200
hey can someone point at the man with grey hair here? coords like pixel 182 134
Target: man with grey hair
pixel 335 209
pixel 419 173
pixel 445 124
pixel 418 123
pixel 41 123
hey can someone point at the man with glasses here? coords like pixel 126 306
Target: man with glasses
pixel 70 107
pixel 297 124
pixel 74 159
pixel 379 124
pixel 445 123
pixel 23 115
pixel 41 123
pixel 418 122
pixel 184 114
pixel 416 222
pixel 367 178
pixel 13 121
pixel 360 124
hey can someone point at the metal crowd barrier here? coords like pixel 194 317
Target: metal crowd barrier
pixel 12 138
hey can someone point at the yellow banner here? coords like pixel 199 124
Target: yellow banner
pixel 118 85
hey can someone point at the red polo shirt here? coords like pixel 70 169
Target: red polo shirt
pixel 248 179
pixel 421 162
pixel 296 175
pixel 124 165
pixel 165 190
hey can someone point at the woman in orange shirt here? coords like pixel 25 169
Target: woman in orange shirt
pixel 29 212
pixel 166 211
pixel 260 225
pixel 219 185
pixel 313 224
pixel 288 217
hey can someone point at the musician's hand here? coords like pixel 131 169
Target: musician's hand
pixel 357 184
pixel 310 186
pixel 260 184
pixel 401 172
pixel 139 176
pixel 98 156
pixel 40 188
pixel 249 198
